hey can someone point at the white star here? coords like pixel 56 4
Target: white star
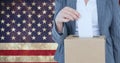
pixel 18 24
pixel 8 33
pixel 38 15
pixel 2 21
pixel 24 29
pixel 44 21
pixel 38 33
pixel 23 3
pixel 8 16
pixel 8 24
pixel 50 25
pixel 8 8
pixel 13 3
pixel 3 4
pixel 33 37
pixel 2 12
pixel 49 33
pixel 29 15
pixel 13 21
pixel 29 8
pixel 53 12
pixel 49 15
pixel 24 21
pixel 2 29
pixel 44 4
pixel 19 33
pixel 18 7
pixel 49 7
pixel 44 37
pixel 13 12
pixel 33 29
pixel 33 21
pixel 33 12
pixel 53 3
pixel 29 24
pixel 13 37
pixel 13 29
pixel 24 37
pixel 33 3
pixel 24 12
pixel 18 15
pixel 39 25
pixel 2 37
pixel 29 33
pixel 44 29
pixel 44 11
pixel 39 7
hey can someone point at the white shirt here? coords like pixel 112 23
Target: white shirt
pixel 89 9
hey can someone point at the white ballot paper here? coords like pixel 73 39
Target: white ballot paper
pixel 85 21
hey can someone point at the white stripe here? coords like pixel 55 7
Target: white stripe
pixel 28 46
pixel 26 59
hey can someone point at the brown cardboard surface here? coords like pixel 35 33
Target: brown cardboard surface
pixel 84 50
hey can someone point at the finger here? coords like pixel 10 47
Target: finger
pixel 66 20
pixel 68 17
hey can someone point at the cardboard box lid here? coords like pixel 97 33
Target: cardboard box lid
pixel 84 50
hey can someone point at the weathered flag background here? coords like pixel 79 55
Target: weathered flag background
pixel 25 31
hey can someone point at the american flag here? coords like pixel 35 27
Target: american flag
pixel 25 31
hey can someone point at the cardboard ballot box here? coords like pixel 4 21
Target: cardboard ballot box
pixel 84 50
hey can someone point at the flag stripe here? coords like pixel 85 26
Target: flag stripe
pixel 27 59
pixel 28 62
pixel 27 52
pixel 26 46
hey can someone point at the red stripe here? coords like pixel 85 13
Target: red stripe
pixel 27 52
pixel 28 62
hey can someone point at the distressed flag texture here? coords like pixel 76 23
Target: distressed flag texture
pixel 25 31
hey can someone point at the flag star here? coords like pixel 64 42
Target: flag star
pixel 3 4
pixel 18 24
pixel 49 33
pixel 24 29
pixel 38 15
pixel 50 25
pixel 18 15
pixel 24 21
pixel 13 21
pixel 13 12
pixel 38 33
pixel 29 15
pixel 44 21
pixel 33 12
pixel 38 7
pixel 33 37
pixel 53 3
pixel 19 33
pixel 33 29
pixel 2 21
pixel 29 33
pixel 33 3
pixel 29 8
pixel 33 21
pixel 8 24
pixel 2 12
pixel 8 16
pixel 8 8
pixel 53 12
pixel 2 29
pixel 44 37
pixel 2 37
pixel 13 29
pixel 13 37
pixel 24 12
pixel 44 4
pixel 39 25
pixel 8 33
pixel 23 3
pixel 44 11
pixel 24 37
pixel 13 3
pixel 44 29
pixel 49 15
pixel 18 7
pixel 49 7
pixel 29 24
